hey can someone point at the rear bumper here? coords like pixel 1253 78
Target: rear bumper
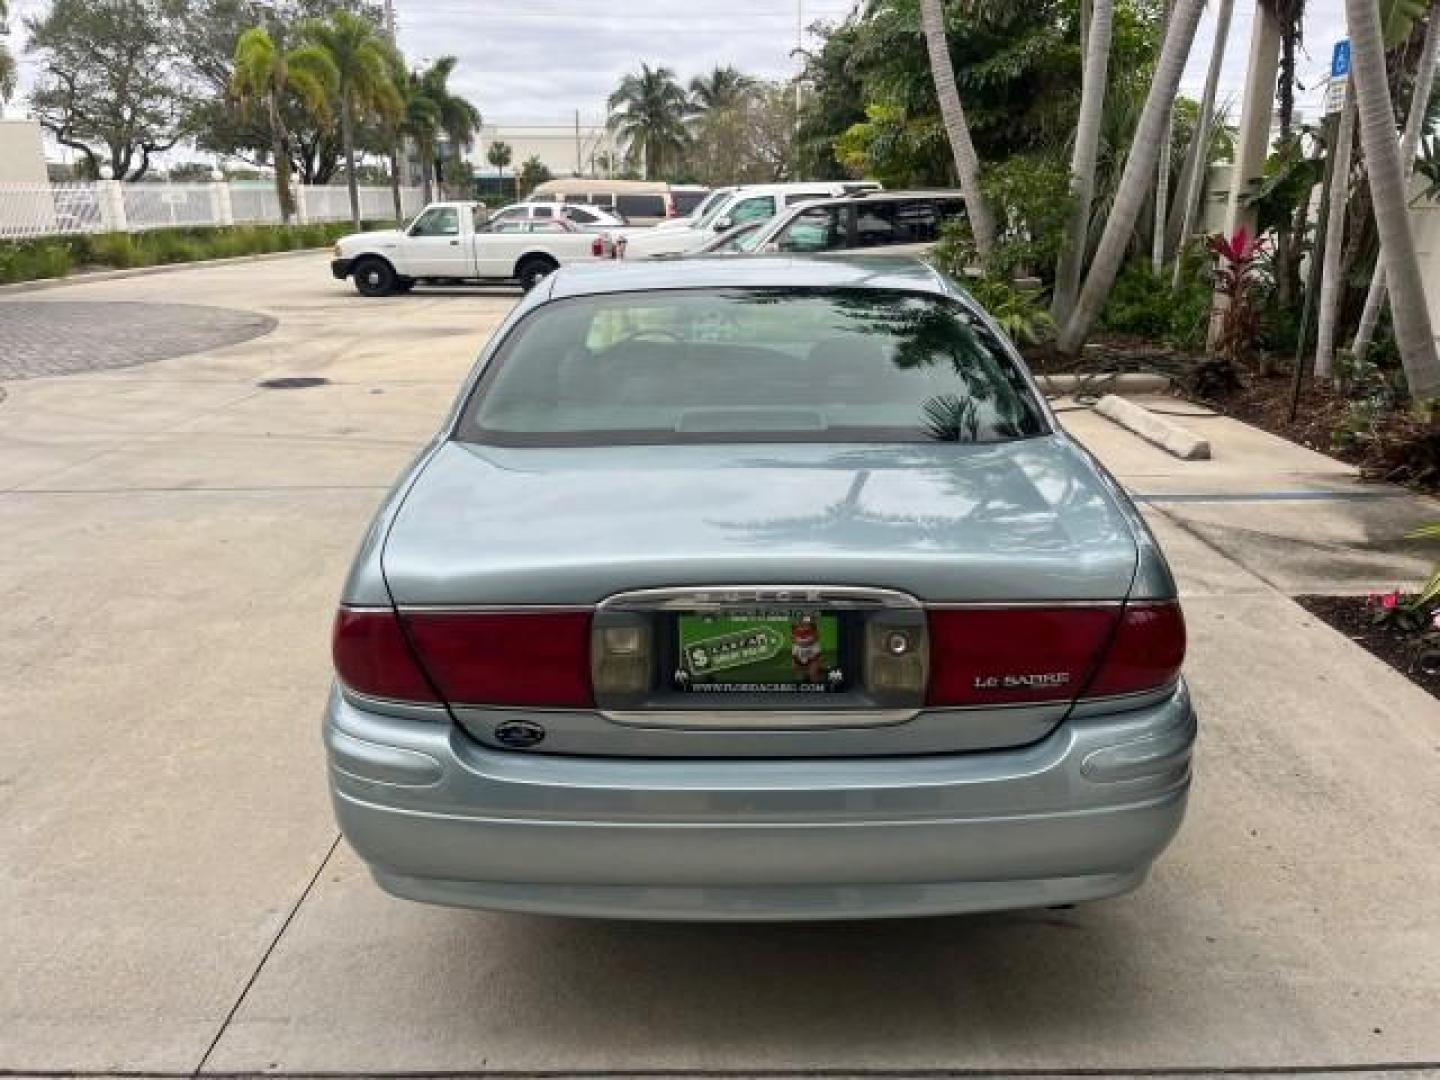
pixel 340 268
pixel 1078 816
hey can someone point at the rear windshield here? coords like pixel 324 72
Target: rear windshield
pixel 641 205
pixel 686 201
pixel 751 365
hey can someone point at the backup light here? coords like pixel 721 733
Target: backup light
pixel 897 658
pixel 621 658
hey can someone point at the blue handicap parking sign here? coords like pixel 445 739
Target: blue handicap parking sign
pixel 1340 60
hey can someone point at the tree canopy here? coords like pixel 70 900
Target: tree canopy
pixel 110 86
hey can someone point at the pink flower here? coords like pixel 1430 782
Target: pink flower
pixel 1435 619
pixel 1390 601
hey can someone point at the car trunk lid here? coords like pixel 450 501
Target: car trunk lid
pixel 1005 565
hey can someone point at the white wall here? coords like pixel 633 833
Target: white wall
pixel 22 153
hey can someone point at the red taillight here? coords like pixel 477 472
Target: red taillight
pixel 985 656
pixel 597 247
pixel 506 658
pixel 372 656
pixel 1148 650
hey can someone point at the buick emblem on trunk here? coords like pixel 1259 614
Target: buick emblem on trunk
pixel 519 734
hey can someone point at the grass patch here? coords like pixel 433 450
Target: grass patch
pixel 34 260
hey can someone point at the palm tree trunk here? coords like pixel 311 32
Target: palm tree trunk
pixel 1414 122
pixel 967 163
pixel 1162 181
pixel 1082 161
pixel 1330 274
pixel 1197 157
pixel 347 136
pixel 1136 177
pixel 280 151
pixel 427 187
pixel 1410 315
pixel 395 180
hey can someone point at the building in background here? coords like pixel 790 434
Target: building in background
pixel 22 153
pixel 578 147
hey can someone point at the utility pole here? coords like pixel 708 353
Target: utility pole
pixel 799 54
pixel 579 159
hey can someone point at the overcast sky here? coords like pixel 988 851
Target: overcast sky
pixel 543 59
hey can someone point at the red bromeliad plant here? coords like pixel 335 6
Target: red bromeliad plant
pixel 1238 272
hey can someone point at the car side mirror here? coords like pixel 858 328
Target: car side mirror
pixel 725 224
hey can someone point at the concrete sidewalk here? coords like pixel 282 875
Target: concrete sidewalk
pixel 173 898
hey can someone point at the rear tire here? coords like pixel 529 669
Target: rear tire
pixel 534 270
pixel 374 277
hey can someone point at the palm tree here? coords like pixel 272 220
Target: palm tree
pixel 499 155
pixel 1288 16
pixel 1137 176
pixel 1197 156
pixel 967 163
pixel 724 88
pixel 458 118
pixel 9 73
pixel 361 57
pixel 268 73
pixel 1414 124
pixel 1410 317
pixel 420 119
pixel 648 111
pixel 1082 161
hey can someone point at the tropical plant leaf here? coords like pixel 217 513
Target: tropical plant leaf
pixel 1398 18
pixel 1429 593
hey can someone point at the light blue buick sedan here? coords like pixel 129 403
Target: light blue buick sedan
pixel 757 589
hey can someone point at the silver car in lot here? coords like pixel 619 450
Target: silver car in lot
pixel 757 589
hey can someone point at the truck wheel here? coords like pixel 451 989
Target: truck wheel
pixel 374 277
pixel 534 270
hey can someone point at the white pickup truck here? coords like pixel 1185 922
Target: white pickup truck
pixel 455 241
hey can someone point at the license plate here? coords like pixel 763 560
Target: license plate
pixel 759 652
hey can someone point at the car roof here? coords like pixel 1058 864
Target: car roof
pixel 830 272
pixel 862 199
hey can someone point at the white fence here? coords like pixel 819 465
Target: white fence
pixel 34 210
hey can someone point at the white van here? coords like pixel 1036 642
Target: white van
pixel 640 202
pixel 754 202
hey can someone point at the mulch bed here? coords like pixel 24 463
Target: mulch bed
pixel 1352 616
pixel 1405 451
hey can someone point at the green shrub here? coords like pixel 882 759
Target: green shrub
pixel 121 250
pixel 1021 313
pixel 1029 197
pixel 29 260
pixel 172 246
pixel 1145 305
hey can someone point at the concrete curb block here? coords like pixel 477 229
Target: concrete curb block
pixel 145 271
pixel 1128 382
pixel 1154 428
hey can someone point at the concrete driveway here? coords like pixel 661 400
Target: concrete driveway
pixel 174 897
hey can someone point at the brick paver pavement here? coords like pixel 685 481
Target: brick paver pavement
pixel 61 337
